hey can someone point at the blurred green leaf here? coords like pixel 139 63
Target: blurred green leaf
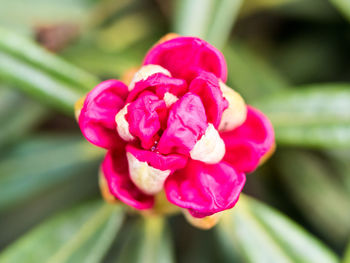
pixel 134 27
pixel 39 163
pixel 38 84
pixel 309 56
pixel 79 187
pixel 340 159
pixel 315 191
pixel 343 6
pixel 82 234
pixel 17 120
pixel 347 254
pixel 264 235
pixel 249 74
pixel 149 242
pixel 192 18
pixel 23 15
pixel 27 51
pixel 252 6
pixel 222 22
pixel 40 74
pixel 316 115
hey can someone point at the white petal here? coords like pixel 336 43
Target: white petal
pixel 169 99
pixel 210 148
pixel 146 71
pixel 123 125
pixel 147 178
pixel 236 113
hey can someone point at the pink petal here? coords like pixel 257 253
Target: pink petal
pixel 97 117
pixel 170 162
pixel 115 170
pixel 206 86
pixel 186 123
pixel 205 189
pixel 247 144
pixel 144 117
pixel 183 55
pixel 159 84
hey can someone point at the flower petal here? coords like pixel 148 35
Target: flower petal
pixel 183 55
pixel 159 84
pixel 97 117
pixel 236 113
pixel 148 170
pixel 210 148
pixel 248 143
pixel 205 189
pixel 187 122
pixel 115 170
pixel 145 72
pixel 206 86
pixel 145 116
pixel 123 125
pixel 170 162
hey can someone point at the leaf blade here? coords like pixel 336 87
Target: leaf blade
pixel 250 226
pixel 66 233
pixel 314 116
pixel 27 51
pixel 45 161
pixel 149 243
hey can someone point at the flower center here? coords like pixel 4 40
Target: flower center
pixel 166 115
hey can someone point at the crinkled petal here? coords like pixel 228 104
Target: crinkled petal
pixel 149 170
pixel 248 143
pixel 184 55
pixel 206 86
pixel 205 189
pixel 187 122
pixel 97 117
pixel 159 84
pixel 145 72
pixel 144 117
pixel 170 162
pixel 115 170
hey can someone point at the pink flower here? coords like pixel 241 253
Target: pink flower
pixel 176 127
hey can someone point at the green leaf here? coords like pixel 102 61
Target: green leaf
pixel 82 234
pixel 17 120
pixel 79 187
pixel 317 115
pixel 38 84
pixel 250 75
pixel 223 19
pixel 24 15
pixel 343 6
pixel 340 159
pixel 39 163
pixel 264 235
pixel 347 254
pixel 44 76
pixel 315 192
pixel 31 53
pixel 256 5
pixel 149 242
pixel 192 18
